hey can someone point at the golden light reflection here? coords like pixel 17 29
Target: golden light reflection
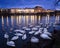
pixel 7 21
pixel 32 19
pixel 27 19
pixel 57 19
pixel 35 19
pixel 47 18
pixel 20 19
pixel 12 20
pixel 39 19
pixel 24 20
pixel 17 20
pixel 2 20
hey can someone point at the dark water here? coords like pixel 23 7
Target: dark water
pixel 19 21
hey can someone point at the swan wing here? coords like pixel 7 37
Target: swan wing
pixel 24 37
pixel 15 38
pixel 6 36
pixel 19 34
pixel 36 33
pixel 31 32
pixel 45 36
pixel 11 43
pixel 34 40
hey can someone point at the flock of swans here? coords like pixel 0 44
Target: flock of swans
pixel 31 30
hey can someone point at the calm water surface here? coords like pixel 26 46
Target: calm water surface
pixel 25 20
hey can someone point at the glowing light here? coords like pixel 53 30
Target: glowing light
pixel 19 19
pixel 12 20
pixel 32 19
pixel 7 20
pixel 2 20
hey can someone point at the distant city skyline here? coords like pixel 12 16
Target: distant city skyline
pixel 46 4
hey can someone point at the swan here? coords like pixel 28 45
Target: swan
pixel 46 32
pixel 6 35
pixel 44 36
pixel 41 28
pixel 34 40
pixel 38 32
pixel 34 28
pixel 30 26
pixel 37 26
pixel 24 37
pixel 28 29
pixel 21 31
pixel 31 32
pixel 24 28
pixel 17 30
pixel 10 43
pixel 15 38
pixel 19 34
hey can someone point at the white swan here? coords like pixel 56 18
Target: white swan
pixel 34 40
pixel 31 32
pixel 37 26
pixel 41 28
pixel 44 36
pixel 11 43
pixel 34 28
pixel 24 37
pixel 6 35
pixel 24 28
pixel 38 32
pixel 15 38
pixel 46 32
pixel 17 30
pixel 30 26
pixel 19 34
pixel 21 31
pixel 27 29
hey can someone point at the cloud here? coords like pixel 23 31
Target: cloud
pixel 27 3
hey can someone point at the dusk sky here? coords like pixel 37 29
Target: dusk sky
pixel 47 4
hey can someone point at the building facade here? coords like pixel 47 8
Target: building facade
pixel 37 9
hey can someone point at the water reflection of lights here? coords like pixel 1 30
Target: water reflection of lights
pixel 27 19
pixel 12 21
pixel 19 19
pixel 24 20
pixel 32 19
pixel 47 19
pixel 39 19
pixel 7 21
pixel 2 20
pixel 57 19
